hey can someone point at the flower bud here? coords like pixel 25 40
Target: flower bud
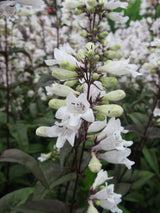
pixel 83 34
pixel 115 95
pixel 110 110
pixel 41 131
pixel 103 35
pixel 115 47
pixel 108 82
pixel 81 55
pixel 56 103
pixel 67 65
pixel 78 12
pixel 100 116
pixel 60 90
pixel 91 208
pixel 89 46
pixel 95 76
pixel 94 164
pixel 80 88
pixel 92 3
pixel 112 54
pixel 62 74
pixel 90 53
pixel 71 83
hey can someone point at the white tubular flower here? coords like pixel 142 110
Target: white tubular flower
pixel 108 199
pixel 117 17
pixel 118 157
pixel 70 4
pixel 156 112
pixel 59 90
pixel 63 133
pixel 75 110
pixel 95 89
pixel 34 3
pixel 113 4
pixel 43 157
pixel 111 143
pixel 7 8
pixel 102 176
pixel 112 127
pixel 120 68
pixel 91 208
pixel 97 126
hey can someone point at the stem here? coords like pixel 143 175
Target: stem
pixel 8 99
pixel 57 24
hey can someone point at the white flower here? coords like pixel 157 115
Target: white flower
pixel 113 4
pixel 120 68
pixel 118 17
pixel 112 127
pixel 44 157
pixel 97 126
pixel 118 157
pixel 61 55
pixel 7 8
pixel 108 199
pixel 102 176
pixel 63 133
pixel 111 142
pixel 95 89
pixel 75 110
pixel 34 3
pixel 156 112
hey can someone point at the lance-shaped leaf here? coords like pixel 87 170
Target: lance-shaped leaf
pixel 14 199
pixel 18 156
pixel 43 206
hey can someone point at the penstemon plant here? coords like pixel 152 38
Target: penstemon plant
pixel 86 80
pixel 84 95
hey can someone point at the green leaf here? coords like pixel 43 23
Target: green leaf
pixel 153 132
pixel 19 132
pixel 151 158
pixel 61 180
pixel 134 197
pixel 139 119
pixel 15 198
pixel 20 50
pixel 18 156
pixel 45 80
pixel 43 206
pixel 141 177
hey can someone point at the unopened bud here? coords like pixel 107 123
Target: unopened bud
pixel 90 53
pixel 56 103
pixel 62 74
pixel 92 3
pixel 94 164
pixel 89 46
pixel 103 35
pixel 95 76
pixel 100 116
pixel 115 95
pixel 60 90
pixel 115 47
pixel 71 83
pixel 110 110
pixel 78 12
pixel 67 65
pixel 81 55
pixel 112 54
pixel 91 208
pixel 41 131
pixel 108 82
pixel 83 34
